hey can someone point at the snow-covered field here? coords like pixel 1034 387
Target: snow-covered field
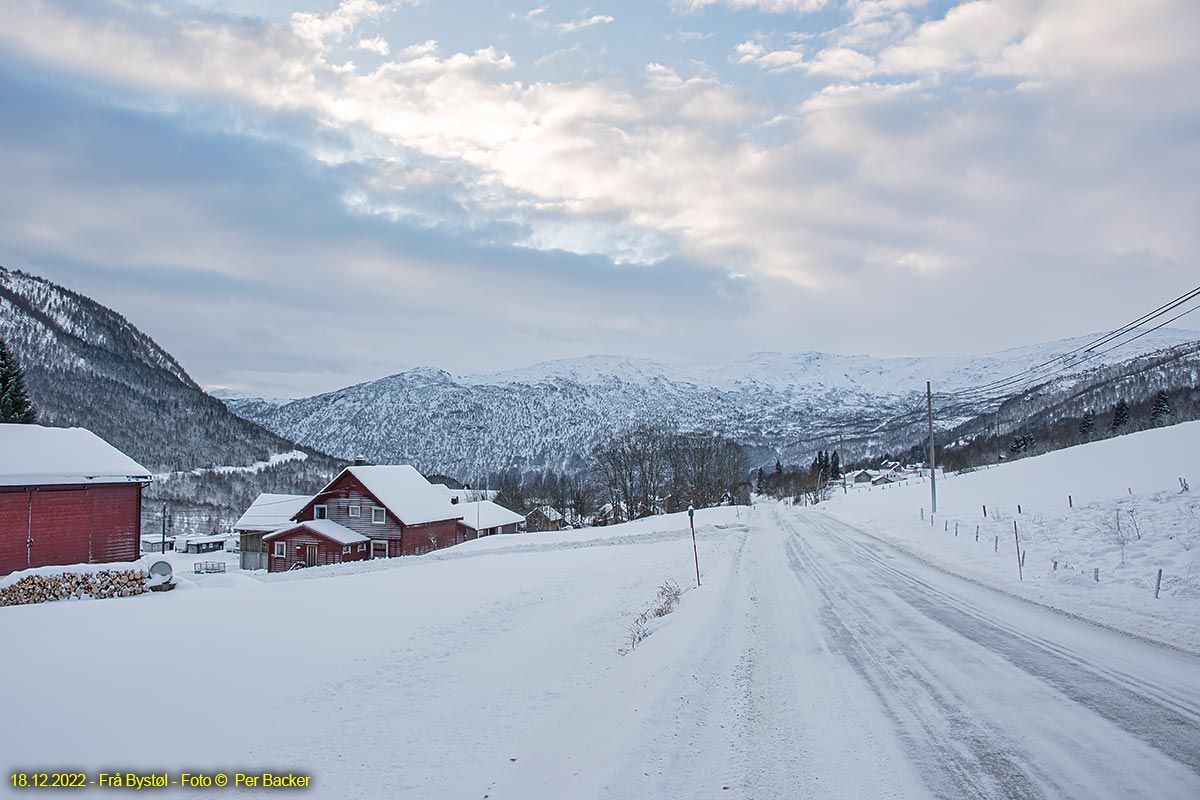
pixel 1134 479
pixel 829 653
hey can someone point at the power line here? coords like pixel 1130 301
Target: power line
pixel 1062 362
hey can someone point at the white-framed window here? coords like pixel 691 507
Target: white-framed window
pixel 345 549
pixel 281 549
pixel 362 547
pixel 355 511
pixel 378 515
pixel 320 512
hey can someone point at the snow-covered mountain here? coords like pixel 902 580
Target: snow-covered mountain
pixel 549 415
pixel 86 365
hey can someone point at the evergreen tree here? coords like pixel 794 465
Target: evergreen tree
pixel 1088 422
pixel 778 467
pixel 1120 414
pixel 1161 407
pixel 761 479
pixel 14 401
pixel 835 465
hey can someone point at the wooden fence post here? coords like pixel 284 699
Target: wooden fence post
pixel 1157 583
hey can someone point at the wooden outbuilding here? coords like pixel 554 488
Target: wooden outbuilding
pixel 66 497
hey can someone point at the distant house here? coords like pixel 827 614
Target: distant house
pixel 885 478
pixel 457 496
pixel 860 476
pixel 268 512
pixel 156 544
pixel 485 518
pixel 200 544
pixel 544 518
pixel 400 512
pixel 66 497
pixel 314 543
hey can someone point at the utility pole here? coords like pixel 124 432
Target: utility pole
pixel 164 529
pixel 841 460
pixel 932 459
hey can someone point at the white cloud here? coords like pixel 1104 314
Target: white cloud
pixel 769 6
pixel 586 22
pixel 883 167
pixel 376 44
pixel 834 62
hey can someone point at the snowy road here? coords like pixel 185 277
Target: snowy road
pixel 816 661
pixel 822 662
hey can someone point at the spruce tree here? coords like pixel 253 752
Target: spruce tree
pixel 1120 414
pixel 14 401
pixel 1088 422
pixel 1162 406
pixel 835 465
pixel 778 467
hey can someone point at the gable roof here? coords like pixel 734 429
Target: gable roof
pixel 325 528
pixel 404 492
pixel 466 495
pixel 271 511
pixel 549 512
pixel 34 455
pixel 485 514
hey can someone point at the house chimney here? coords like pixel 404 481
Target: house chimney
pixel 359 461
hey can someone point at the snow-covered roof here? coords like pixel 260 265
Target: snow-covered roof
pixel 405 492
pixel 466 495
pixel 210 538
pixel 33 455
pixel 485 514
pixel 549 512
pixel 269 512
pixel 326 528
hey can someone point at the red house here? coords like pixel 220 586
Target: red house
pixel 393 507
pixel 66 497
pixel 314 543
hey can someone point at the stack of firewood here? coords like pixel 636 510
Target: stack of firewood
pixel 66 585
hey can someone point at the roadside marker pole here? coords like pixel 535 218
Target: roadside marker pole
pixel 1020 571
pixel 932 457
pixel 1157 583
pixel 695 552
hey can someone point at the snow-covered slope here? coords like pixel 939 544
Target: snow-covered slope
pixel 550 415
pixel 1118 506
pixel 87 366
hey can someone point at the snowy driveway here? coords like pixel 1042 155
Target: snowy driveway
pixel 822 662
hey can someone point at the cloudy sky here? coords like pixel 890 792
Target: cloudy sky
pixel 295 195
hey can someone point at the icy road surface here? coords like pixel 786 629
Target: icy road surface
pixel 826 663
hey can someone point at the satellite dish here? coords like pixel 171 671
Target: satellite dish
pixel 161 570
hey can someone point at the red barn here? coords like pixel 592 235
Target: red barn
pixel 66 497
pixel 394 507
